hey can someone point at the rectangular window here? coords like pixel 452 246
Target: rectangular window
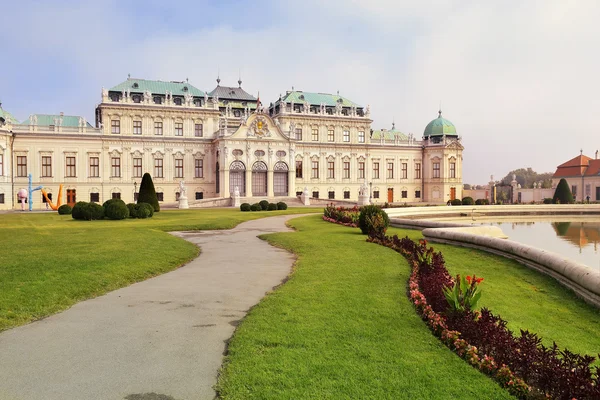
pixel 178 128
pixel 199 195
pixel 315 170
pixel 331 195
pixel 376 194
pixel 158 128
pixel 1 198
pixel 375 170
pixel 315 134
pixel 158 168
pixel 160 196
pixel 116 167
pixel 361 136
pixel 198 130
pixel 404 171
pixel 315 195
pixel 298 169
pixel 94 167
pixel 417 194
pixel 21 166
pixel 390 170
pixel 330 135
pixel 417 170
pixel 115 126
pixel 404 194
pixel 574 190
pixel 1 164
pixel 199 168
pixel 436 169
pixel 137 167
pixel 361 170
pixel 95 197
pixel 46 166
pixel 116 195
pixel 179 168
pixel 346 170
pixel 346 136
pixel 330 169
pixel 137 127
pixel 70 170
pixel 347 194
pixel 452 170
pixel 298 133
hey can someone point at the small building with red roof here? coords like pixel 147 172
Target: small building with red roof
pixel 583 176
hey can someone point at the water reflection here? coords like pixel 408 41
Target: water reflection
pixel 581 234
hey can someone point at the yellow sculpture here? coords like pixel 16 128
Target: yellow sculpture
pixel 58 202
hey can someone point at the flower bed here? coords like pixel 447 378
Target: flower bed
pixel 342 215
pixel 519 363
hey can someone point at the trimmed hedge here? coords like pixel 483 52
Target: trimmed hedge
pixel 116 209
pixel 132 207
pixel 281 206
pixel 147 192
pixel 468 201
pixel 456 202
pixel 373 221
pixel 255 207
pixel 245 207
pixel 264 205
pixel 272 207
pixel 143 210
pixel 482 202
pixel 562 194
pixel 87 211
pixel 65 209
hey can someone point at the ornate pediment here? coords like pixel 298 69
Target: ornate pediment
pixel 199 154
pixel 158 154
pixel 259 128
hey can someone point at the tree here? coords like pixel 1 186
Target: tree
pixel 527 176
pixel 148 193
pixel 563 193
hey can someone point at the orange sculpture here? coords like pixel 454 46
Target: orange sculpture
pixel 58 202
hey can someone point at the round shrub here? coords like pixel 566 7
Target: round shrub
pixel 116 209
pixel 272 207
pixel 96 211
pixel 255 207
pixel 482 202
pixel 547 200
pixel 132 210
pixel 87 211
pixel 149 207
pixel 456 202
pixel 142 210
pixel 468 201
pixel 245 207
pixel 264 204
pixel 373 221
pixel 281 206
pixel 77 211
pixel 65 209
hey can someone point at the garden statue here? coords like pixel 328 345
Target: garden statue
pixel 21 196
pixel 183 200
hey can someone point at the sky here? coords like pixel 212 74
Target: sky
pixel 518 78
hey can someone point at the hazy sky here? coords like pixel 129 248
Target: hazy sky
pixel 519 79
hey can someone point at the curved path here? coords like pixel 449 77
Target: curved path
pixel 160 339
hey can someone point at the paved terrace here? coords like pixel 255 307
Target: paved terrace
pixel 160 339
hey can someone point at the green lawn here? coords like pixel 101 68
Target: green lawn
pixel 525 298
pixel 342 327
pixel 49 262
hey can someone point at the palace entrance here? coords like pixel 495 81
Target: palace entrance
pixel 237 177
pixel 280 179
pixel 259 179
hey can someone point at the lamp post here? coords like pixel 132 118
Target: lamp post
pixel 370 192
pixel 134 191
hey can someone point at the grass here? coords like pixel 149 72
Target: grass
pixel 525 298
pixel 50 262
pixel 342 327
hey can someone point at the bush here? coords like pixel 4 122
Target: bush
pixel 245 207
pixel 373 221
pixel 87 211
pixel 143 210
pixel 456 202
pixel 548 200
pixel 116 209
pixel 147 192
pixel 468 201
pixel 255 207
pixel 65 209
pixel 132 210
pixel 482 202
pixel 281 206
pixel 264 204
pixel 149 207
pixel 272 207
pixel 562 194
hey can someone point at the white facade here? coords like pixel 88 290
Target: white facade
pixel 265 153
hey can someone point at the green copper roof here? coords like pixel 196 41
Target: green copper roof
pixel 391 134
pixel 439 127
pixel 315 99
pixel 7 117
pixel 71 121
pixel 157 87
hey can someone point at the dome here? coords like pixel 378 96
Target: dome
pixel 439 127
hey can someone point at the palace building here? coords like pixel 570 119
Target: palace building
pixel 224 140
